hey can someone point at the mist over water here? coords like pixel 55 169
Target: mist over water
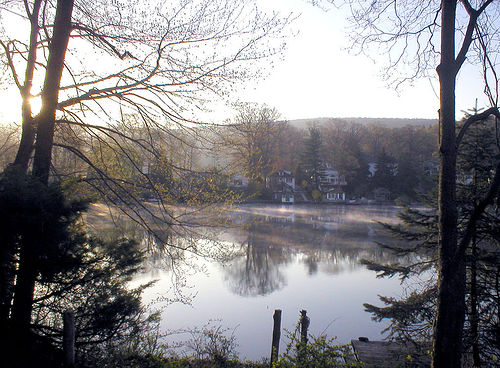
pixel 283 257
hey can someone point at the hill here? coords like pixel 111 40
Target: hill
pixel 388 122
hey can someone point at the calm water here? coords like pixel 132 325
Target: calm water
pixel 283 257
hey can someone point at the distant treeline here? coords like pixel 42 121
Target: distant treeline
pixel 402 160
pixel 256 144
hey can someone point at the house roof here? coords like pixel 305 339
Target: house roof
pixel 281 173
pixel 282 187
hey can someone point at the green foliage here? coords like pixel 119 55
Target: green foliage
pixel 316 195
pixel 406 177
pixel 95 287
pixel 343 146
pixel 36 223
pixel 213 342
pixel 415 237
pixel 317 352
pixel 258 190
pixel 211 346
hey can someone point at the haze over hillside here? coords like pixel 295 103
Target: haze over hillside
pixel 388 122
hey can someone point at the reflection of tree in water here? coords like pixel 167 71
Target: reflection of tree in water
pixel 311 262
pixel 272 244
pixel 329 240
pixel 171 251
pixel 341 260
pixel 257 270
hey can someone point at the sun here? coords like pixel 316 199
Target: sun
pixel 11 109
pixel 36 105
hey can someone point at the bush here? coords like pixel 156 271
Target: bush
pixel 214 342
pixel 318 352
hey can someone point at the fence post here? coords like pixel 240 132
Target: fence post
pixel 69 338
pixel 304 326
pixel 276 336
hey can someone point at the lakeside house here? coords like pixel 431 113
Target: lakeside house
pixel 282 185
pixel 332 184
pixel 284 190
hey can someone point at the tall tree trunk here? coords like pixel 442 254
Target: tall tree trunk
pixel 450 314
pixel 29 127
pixel 7 277
pixel 50 92
pixel 20 339
pixel 474 317
pixel 25 283
pixel 24 290
pixel 27 141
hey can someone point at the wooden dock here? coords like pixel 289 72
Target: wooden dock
pixel 386 354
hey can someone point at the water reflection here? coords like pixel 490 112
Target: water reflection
pixel 330 240
pixel 258 271
pixel 291 258
pixel 261 242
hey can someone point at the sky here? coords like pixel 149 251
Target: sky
pixel 317 76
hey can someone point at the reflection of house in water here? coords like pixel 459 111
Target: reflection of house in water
pixel 323 226
pixel 327 222
pixel 288 218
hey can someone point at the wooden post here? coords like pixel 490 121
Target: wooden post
pixel 69 338
pixel 304 326
pixel 276 336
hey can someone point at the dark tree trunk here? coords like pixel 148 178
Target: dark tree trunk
pixel 474 317
pixel 7 276
pixel 25 282
pixel 450 314
pixel 27 142
pixel 50 92
pixel 23 296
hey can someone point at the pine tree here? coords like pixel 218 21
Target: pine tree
pixel 68 268
pixel 311 158
pixel 412 317
pixel 384 174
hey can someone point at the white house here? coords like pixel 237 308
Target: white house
pixel 282 183
pixel 331 184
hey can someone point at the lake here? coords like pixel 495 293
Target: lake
pixel 281 257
